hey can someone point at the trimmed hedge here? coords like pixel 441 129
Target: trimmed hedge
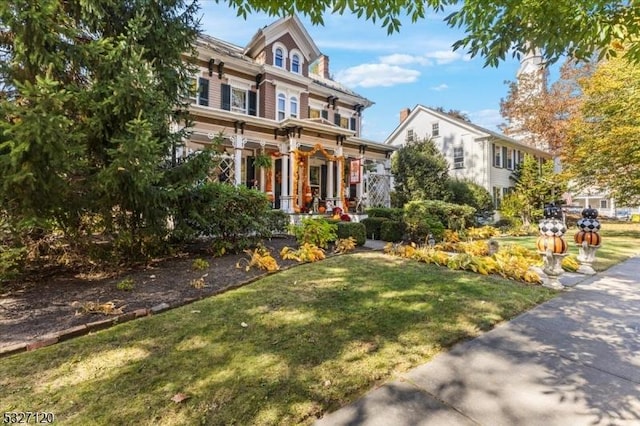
pixel 352 229
pixel 389 213
pixel 392 231
pixel 372 225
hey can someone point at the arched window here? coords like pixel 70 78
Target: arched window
pixel 294 107
pixel 295 63
pixel 282 104
pixel 279 58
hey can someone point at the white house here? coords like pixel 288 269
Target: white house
pixel 473 152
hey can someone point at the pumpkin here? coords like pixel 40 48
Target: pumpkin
pixel 270 195
pixel 590 213
pixel 592 238
pixel 553 243
pixel 321 209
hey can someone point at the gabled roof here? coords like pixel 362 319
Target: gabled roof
pixel 470 127
pixel 272 32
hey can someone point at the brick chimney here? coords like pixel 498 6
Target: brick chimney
pixel 323 66
pixel 404 113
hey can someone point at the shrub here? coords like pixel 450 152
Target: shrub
pixel 345 245
pixel 392 230
pixel 372 226
pixel 318 232
pixel 276 221
pixel 389 213
pixel 352 229
pixel 305 253
pixel 420 222
pixel 260 258
pixel 238 216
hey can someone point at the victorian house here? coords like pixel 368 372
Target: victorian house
pixel 286 127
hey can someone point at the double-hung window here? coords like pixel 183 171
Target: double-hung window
pixel 282 106
pixel 295 63
pixel 293 104
pixel 435 130
pixel 497 155
pixel 458 157
pixel 279 58
pixel 238 100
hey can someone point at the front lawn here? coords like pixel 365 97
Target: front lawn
pixel 283 350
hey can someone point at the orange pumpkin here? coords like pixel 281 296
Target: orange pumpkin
pixel 592 238
pixel 555 244
pixel 322 209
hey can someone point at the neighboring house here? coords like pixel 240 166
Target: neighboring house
pixel 473 152
pixel 275 97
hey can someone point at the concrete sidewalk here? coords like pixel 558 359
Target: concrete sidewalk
pixel 574 360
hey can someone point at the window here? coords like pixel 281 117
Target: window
pixel 410 135
pixel 238 100
pixel 203 91
pixel 458 158
pixel 294 107
pixel 279 58
pixel 510 159
pixel 603 204
pixel 344 122
pixel 295 63
pixel 282 104
pixel 314 113
pixel 497 158
pixel 435 130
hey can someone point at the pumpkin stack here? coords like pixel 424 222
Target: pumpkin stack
pixel 552 228
pixel 589 228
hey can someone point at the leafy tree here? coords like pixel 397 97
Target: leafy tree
pixel 454 113
pixel 493 29
pixel 469 193
pixel 420 172
pixel 538 115
pixel 535 185
pixel 603 147
pixel 86 93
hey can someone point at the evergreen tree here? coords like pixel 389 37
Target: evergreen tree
pixel 421 172
pixel 88 92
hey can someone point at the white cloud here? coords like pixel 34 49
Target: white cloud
pixel 404 59
pixel 376 75
pixel 444 56
pixel 487 118
pixel 439 87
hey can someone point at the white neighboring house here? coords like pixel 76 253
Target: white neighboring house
pixel 473 152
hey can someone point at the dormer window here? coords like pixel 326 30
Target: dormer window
pixel 279 58
pixel 295 63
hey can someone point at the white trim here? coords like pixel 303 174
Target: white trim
pixel 285 54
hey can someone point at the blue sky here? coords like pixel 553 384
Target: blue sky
pixel 414 66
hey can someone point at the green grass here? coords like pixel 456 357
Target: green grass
pixel 283 350
pixel 620 241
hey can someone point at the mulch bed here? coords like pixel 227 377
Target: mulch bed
pixel 40 311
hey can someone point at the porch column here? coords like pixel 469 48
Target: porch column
pixel 238 145
pixel 285 199
pixel 262 170
pixel 330 183
pixel 360 185
pixel 293 146
pixel 339 186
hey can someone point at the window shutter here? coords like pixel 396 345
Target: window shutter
pixel 504 156
pixel 353 123
pixel 203 92
pixel 253 102
pixel 325 114
pixel 336 119
pixel 226 96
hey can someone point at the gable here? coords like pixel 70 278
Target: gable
pixel 288 31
